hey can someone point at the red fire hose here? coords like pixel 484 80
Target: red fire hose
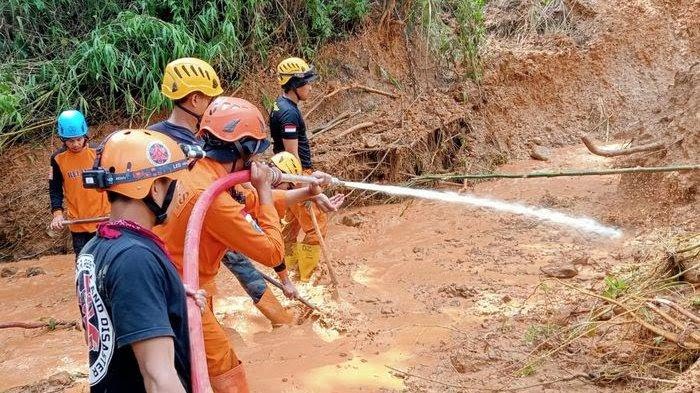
pixel 200 376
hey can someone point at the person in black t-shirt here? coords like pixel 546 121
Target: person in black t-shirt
pixel 131 298
pixel 288 132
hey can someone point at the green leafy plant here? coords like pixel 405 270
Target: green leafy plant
pixel 614 287
pixel 106 57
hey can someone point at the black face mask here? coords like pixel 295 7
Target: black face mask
pixel 161 212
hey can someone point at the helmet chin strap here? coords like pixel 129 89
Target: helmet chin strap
pixel 161 212
pixel 189 112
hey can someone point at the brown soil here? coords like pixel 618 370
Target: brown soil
pixel 442 292
pixel 455 303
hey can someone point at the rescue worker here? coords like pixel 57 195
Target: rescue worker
pixel 288 131
pixel 131 298
pixel 250 279
pixel 65 182
pixel 191 84
pixel 245 221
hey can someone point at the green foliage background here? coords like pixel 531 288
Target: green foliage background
pixel 105 57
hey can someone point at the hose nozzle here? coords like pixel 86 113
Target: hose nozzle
pixel 287 178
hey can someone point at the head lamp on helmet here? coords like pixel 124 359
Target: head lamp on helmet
pixel 128 163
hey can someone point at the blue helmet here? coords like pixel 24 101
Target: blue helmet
pixel 71 124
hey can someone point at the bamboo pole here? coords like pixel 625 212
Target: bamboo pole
pixel 585 172
pixel 322 242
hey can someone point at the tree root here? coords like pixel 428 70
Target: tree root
pixel 620 152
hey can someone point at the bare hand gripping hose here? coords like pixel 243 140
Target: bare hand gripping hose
pixel 200 376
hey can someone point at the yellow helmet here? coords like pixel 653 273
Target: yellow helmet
pixel 296 71
pixel 287 163
pixel 188 75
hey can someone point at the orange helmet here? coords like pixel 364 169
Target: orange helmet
pixel 231 119
pixel 129 161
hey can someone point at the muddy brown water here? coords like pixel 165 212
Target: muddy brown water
pixel 440 291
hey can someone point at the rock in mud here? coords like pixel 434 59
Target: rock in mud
pixel 354 220
pixel 34 271
pixel 62 378
pixel 459 364
pixel 8 272
pixel 559 271
pixel 455 290
pixel 540 153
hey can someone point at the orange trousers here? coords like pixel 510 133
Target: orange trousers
pixel 298 219
pixel 220 355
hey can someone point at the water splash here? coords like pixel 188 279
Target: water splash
pixel 582 223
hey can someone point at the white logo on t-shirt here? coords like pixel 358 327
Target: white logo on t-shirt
pixel 99 334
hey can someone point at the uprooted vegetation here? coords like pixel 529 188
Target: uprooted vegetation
pixel 640 325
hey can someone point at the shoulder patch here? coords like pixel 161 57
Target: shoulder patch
pixel 97 325
pixel 275 107
pixel 290 129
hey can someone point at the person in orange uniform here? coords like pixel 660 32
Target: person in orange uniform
pixel 66 183
pixel 245 221
pixel 288 131
pixel 192 84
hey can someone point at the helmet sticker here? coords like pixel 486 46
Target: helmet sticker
pixel 157 153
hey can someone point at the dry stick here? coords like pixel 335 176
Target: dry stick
pixel 663 333
pixel 329 265
pixel 340 119
pixel 620 152
pixel 591 172
pixel 654 379
pixel 36 325
pixel 280 286
pixel 566 379
pixel 678 308
pixel 694 335
pixel 84 220
pixel 353 86
pixel 354 128
pixel 320 128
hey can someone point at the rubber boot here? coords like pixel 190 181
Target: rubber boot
pixel 309 255
pixel 291 256
pixel 270 307
pixel 232 381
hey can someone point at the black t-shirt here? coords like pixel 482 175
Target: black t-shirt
pixel 286 122
pixel 128 291
pixel 177 133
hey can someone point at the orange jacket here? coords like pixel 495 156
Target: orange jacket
pixel 251 228
pixel 66 184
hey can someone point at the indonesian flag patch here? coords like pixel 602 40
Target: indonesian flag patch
pixel 290 129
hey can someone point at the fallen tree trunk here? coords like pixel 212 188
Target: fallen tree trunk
pixel 599 151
